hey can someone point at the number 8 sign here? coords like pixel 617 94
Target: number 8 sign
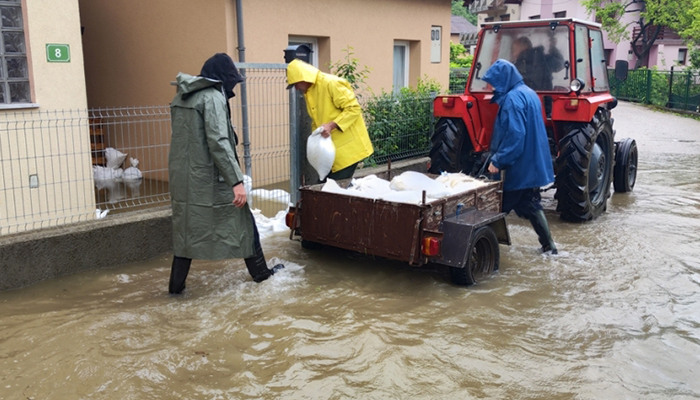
pixel 57 53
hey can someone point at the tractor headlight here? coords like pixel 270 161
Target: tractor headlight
pixel 577 85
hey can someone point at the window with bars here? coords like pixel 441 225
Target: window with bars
pixel 14 70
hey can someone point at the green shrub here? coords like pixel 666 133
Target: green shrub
pixel 400 124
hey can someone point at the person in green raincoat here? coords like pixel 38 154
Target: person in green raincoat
pixel 331 104
pixel 211 217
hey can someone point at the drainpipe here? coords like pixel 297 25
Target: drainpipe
pixel 244 90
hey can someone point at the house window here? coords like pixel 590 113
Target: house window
pixel 489 19
pixel 401 58
pixel 534 17
pixel 682 55
pixel 505 17
pixel 560 14
pixel 312 42
pixel 14 69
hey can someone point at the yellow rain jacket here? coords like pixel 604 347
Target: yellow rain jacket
pixel 331 98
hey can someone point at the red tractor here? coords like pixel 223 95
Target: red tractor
pixel 563 60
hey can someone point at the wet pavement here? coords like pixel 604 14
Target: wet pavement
pixel 616 315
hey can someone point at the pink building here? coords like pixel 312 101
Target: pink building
pixel 668 49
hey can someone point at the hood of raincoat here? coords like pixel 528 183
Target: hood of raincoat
pixel 220 67
pixel 299 71
pixel 502 76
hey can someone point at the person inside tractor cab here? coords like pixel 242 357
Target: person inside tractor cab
pixel 519 148
pixel 536 66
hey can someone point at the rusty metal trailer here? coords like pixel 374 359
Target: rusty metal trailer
pixel 461 231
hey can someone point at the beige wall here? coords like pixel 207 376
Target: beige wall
pixel 134 48
pixel 50 138
pixel 369 26
pixel 56 85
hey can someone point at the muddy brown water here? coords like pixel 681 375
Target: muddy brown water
pixel 615 316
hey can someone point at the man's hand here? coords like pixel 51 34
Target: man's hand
pixel 493 169
pixel 327 128
pixel 239 196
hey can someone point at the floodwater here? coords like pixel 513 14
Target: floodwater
pixel 616 315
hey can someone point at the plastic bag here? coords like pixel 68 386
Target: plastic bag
pixel 114 157
pixel 411 180
pixel 320 152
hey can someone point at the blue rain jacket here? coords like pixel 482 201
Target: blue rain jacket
pixel 519 142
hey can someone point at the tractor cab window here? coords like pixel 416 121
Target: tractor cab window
pixel 583 58
pixel 541 54
pixel 598 62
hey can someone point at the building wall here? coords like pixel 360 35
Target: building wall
pixel 134 48
pixel 369 26
pixel 47 140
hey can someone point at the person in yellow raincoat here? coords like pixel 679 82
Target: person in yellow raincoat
pixel 332 104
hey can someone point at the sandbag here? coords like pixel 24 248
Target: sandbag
pixel 411 180
pixel 320 152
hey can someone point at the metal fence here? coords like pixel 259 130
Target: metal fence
pixel 60 167
pixel 458 80
pixel 45 174
pixel 678 90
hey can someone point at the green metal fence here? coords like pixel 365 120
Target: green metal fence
pixel 399 125
pixel 678 90
pixel 458 80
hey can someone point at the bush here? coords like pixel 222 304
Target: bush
pixel 400 124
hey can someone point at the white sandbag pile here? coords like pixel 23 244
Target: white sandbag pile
pixel 406 188
pixel 320 152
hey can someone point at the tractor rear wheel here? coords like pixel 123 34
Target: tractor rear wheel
pixel 625 173
pixel 450 147
pixel 482 258
pixel 584 168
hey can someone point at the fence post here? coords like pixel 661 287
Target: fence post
pixel 669 103
pixel 294 153
pixel 648 96
pixel 433 95
pixel 687 90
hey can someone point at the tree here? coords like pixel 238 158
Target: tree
pixel 459 10
pixel 652 15
pixel 459 57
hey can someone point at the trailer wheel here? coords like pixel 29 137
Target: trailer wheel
pixel 483 257
pixel 450 147
pixel 625 173
pixel 584 168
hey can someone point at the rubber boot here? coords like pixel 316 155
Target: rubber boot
pixel 178 274
pixel 257 267
pixel 539 222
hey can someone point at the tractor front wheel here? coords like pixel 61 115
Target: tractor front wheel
pixel 584 168
pixel 451 147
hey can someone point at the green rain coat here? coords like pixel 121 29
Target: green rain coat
pixel 331 98
pixel 203 169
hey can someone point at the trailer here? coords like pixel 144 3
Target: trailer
pixel 461 231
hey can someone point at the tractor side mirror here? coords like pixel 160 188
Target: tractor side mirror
pixel 621 67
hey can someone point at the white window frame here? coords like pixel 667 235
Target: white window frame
pixel 407 58
pixel 309 41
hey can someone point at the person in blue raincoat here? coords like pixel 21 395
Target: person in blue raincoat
pixel 520 148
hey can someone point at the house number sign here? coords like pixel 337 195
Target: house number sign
pixel 57 53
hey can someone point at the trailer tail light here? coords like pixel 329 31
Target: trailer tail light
pixel 289 219
pixel 571 105
pixel 430 246
pixel 448 102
